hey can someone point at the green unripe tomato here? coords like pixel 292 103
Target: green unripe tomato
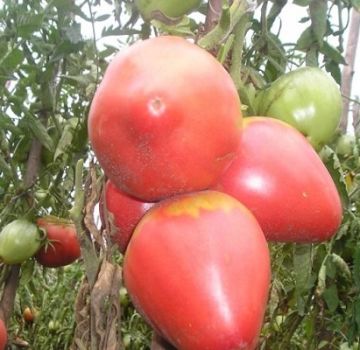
pixel 306 98
pixel 19 240
pixel 345 145
pixel 168 8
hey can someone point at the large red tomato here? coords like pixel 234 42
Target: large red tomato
pixel 3 335
pixel 62 247
pixel 197 268
pixel 282 180
pixel 124 213
pixel 164 119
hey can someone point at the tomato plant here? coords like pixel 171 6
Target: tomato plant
pixel 123 213
pixel 306 98
pixel 164 104
pixel 62 246
pixel 282 180
pixel 19 241
pixel 3 335
pixel 200 283
pixel 169 8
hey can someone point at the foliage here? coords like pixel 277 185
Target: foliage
pixel 52 56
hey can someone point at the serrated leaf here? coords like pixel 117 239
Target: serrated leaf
pixel 331 298
pixel 318 15
pixel 39 131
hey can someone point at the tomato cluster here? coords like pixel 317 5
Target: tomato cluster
pixel 195 191
pixel 53 242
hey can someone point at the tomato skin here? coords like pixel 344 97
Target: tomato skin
pixel 3 335
pixel 28 314
pixel 63 247
pixel 168 8
pixel 164 119
pixel 125 213
pixel 308 99
pixel 199 283
pixel 19 241
pixel 282 180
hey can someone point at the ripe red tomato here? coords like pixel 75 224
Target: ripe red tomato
pixel 3 335
pixel 62 247
pixel 165 119
pixel 124 213
pixel 282 180
pixel 197 268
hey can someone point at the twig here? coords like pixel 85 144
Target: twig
pixel 213 14
pixel 348 71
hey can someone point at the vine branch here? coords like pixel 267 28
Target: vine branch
pixel 348 71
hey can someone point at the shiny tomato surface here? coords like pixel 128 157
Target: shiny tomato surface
pixel 197 268
pixel 62 247
pixel 123 213
pixel 283 181
pixel 164 119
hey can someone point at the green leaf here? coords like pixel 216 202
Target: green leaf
pixel 334 167
pixel 10 61
pixel 302 2
pixel 102 18
pixel 39 131
pixel 334 69
pixel 66 138
pixel 332 53
pixel 306 40
pixel 321 284
pixel 356 4
pixel 331 298
pixel 318 15
pixel 356 268
pixel 28 24
pixel 302 261
pixel 341 265
pixel 73 33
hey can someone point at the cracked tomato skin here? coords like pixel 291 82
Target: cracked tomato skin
pixel 197 268
pixel 306 98
pixel 3 335
pixel 165 119
pixel 125 213
pixel 63 247
pixel 281 179
pixel 168 8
